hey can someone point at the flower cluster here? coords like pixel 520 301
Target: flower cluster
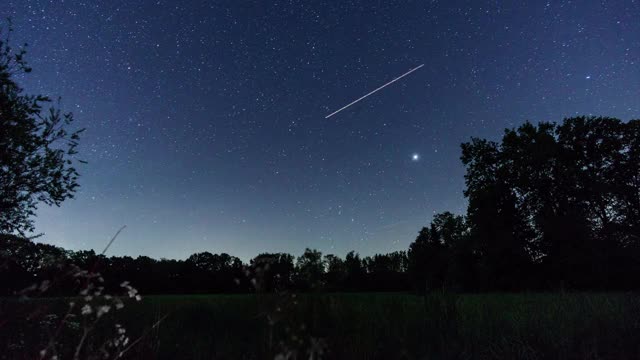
pixel 91 305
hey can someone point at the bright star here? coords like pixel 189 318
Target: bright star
pixel 588 77
pixel 415 157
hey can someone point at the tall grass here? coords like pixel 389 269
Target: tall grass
pixel 388 326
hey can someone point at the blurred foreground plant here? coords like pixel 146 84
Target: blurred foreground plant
pixel 83 326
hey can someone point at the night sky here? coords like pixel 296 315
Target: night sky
pixel 206 126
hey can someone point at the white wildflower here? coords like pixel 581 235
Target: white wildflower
pixel 103 310
pixel 86 309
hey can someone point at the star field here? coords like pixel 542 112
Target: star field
pixel 205 119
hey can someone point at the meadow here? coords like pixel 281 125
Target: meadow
pixel 374 326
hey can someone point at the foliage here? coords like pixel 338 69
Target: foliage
pixel 36 151
pixel 554 205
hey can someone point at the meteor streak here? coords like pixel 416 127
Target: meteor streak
pixel 376 90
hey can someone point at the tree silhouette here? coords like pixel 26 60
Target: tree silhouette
pixel 433 257
pixel 336 274
pixel 354 276
pixel 36 150
pixel 497 226
pixel 273 271
pixel 560 199
pixel 310 268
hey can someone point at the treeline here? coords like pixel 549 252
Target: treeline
pixel 551 207
pixel 26 264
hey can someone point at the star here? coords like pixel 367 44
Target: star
pixel 260 109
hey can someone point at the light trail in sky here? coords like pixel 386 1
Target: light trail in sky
pixel 376 90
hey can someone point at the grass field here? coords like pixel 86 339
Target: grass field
pixel 380 326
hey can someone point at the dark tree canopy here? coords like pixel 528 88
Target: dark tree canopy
pixel 560 198
pixel 36 150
